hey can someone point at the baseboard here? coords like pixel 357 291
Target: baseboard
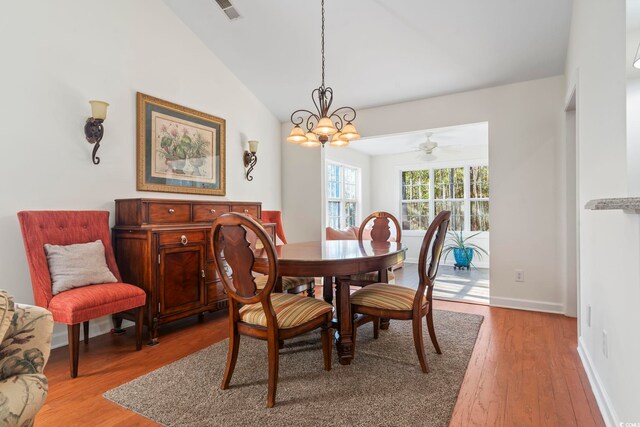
pixel 449 264
pixel 529 305
pixel 97 327
pixel 602 398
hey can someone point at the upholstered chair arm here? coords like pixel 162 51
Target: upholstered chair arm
pixel 24 352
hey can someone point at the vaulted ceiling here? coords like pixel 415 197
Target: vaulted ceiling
pixel 381 51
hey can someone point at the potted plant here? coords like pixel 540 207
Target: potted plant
pixel 463 251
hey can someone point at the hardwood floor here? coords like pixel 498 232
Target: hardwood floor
pixel 524 371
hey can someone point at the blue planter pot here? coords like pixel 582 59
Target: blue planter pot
pixel 463 256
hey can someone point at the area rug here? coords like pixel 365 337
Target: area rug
pixel 383 385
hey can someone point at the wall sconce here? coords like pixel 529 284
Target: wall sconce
pixel 93 128
pixel 250 159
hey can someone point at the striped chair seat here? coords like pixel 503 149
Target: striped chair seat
pixel 382 295
pixel 372 276
pixel 287 282
pixel 291 310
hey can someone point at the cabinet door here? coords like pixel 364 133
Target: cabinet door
pixel 181 278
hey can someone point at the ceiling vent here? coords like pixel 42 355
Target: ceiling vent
pixel 228 9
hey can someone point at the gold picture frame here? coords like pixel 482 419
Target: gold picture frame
pixel 179 150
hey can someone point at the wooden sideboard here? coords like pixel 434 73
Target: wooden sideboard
pixel 163 246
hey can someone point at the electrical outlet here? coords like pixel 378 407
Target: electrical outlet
pixel 588 315
pixel 519 275
pixel 605 344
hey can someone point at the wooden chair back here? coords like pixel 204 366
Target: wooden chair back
pixel 434 240
pixel 381 231
pixel 230 245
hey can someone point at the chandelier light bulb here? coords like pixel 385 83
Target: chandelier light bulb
pixel 338 141
pixel 297 135
pixel 349 132
pixel 325 127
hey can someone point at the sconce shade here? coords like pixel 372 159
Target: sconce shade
pixel 253 146
pixel 312 140
pixel 325 127
pixel 99 110
pixel 297 135
pixel 349 132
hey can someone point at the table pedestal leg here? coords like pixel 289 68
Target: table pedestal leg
pixel 345 323
pixel 384 278
pixel 327 289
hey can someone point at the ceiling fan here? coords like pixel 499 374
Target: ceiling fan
pixel 429 145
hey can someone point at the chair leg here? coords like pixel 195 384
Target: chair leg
pixel 376 328
pixel 417 340
pixel 432 331
pixel 139 325
pixel 85 331
pixel 232 356
pixel 274 353
pixel 326 343
pixel 74 348
pixel 117 324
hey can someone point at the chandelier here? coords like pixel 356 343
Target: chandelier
pixel 322 126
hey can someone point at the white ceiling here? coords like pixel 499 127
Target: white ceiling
pixel 381 51
pixel 453 137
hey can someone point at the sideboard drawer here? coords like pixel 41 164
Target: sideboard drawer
pixel 208 212
pixel 246 209
pixel 169 213
pixel 184 237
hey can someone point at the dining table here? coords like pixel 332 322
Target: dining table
pixel 333 260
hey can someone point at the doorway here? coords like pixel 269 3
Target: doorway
pixel 572 218
pixel 414 176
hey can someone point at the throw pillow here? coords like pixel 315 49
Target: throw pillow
pixel 73 266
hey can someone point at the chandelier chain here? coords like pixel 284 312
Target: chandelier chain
pixel 322 50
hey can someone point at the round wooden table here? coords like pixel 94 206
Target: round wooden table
pixel 338 258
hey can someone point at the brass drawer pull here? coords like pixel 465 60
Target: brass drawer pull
pixel 212 211
pixel 171 210
pixel 246 211
pixel 184 240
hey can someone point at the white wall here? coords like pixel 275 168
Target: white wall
pixel 57 56
pixel 360 160
pixel 386 182
pixel 303 185
pixel 524 129
pixel 609 240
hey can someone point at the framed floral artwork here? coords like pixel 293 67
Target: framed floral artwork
pixel 180 150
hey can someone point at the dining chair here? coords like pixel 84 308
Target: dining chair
pixel 260 313
pixel 290 284
pixel 382 300
pixel 78 305
pixel 380 232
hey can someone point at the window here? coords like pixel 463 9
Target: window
pixel 463 190
pixel 343 190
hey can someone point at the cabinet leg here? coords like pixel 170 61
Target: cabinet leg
pixel 153 333
pixel 200 317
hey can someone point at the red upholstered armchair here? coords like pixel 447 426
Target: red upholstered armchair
pixel 81 304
